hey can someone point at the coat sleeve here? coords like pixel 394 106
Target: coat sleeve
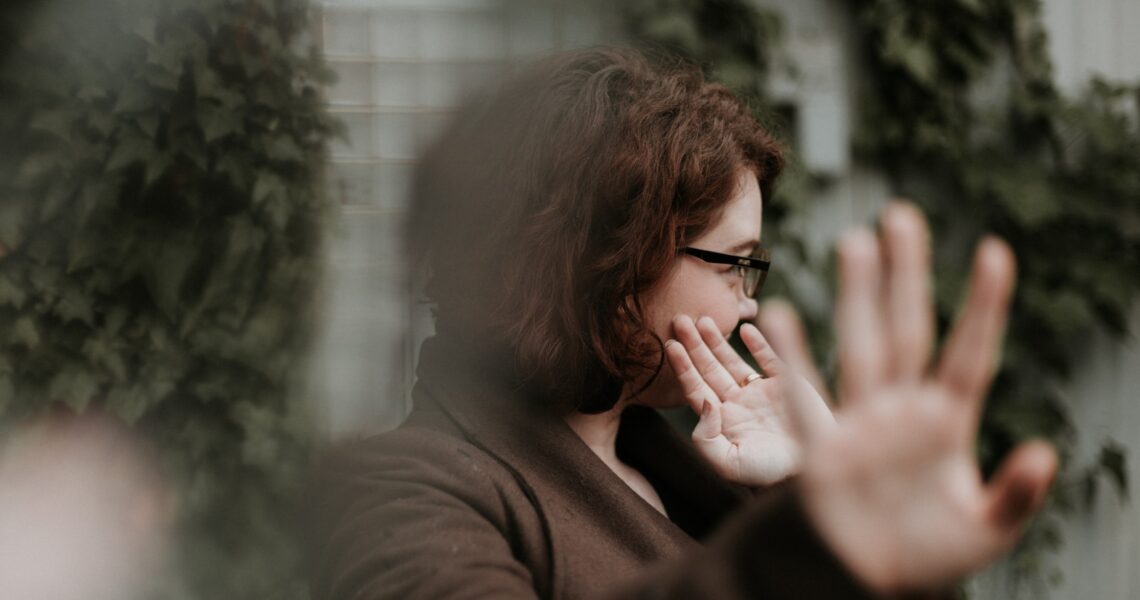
pixel 768 550
pixel 399 525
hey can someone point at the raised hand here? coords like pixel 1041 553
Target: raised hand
pixel 893 486
pixel 744 429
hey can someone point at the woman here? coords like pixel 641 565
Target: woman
pixel 592 233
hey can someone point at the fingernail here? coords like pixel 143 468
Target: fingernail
pixel 706 409
pixel 669 343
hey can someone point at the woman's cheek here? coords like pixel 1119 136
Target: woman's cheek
pixel 726 315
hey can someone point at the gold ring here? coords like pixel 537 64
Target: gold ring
pixel 751 377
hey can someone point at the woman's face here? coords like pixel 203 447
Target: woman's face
pixel 699 289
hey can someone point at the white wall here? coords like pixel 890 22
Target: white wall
pixel 1101 558
pixel 1093 37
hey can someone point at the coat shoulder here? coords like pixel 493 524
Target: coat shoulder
pixel 389 511
pixel 425 457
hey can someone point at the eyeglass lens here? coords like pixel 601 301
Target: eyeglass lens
pixel 754 278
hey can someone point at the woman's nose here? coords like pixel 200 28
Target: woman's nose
pixel 748 308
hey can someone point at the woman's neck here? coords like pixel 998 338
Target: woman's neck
pixel 599 432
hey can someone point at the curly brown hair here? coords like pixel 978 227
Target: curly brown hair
pixel 553 203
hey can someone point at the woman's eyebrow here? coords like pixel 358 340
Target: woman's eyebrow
pixel 742 246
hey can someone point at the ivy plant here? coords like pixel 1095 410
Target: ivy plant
pixel 160 224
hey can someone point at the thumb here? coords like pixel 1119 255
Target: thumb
pixel 1019 488
pixel 708 427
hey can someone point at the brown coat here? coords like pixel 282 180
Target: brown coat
pixel 480 494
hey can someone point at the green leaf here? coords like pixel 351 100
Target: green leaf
pixel 54 201
pixel 73 387
pixel 148 125
pixel 84 250
pixel 11 294
pixel 145 29
pixel 1089 489
pixel 196 153
pixel 99 352
pixel 128 402
pixel 675 28
pixel 162 79
pixel 73 305
pixel 101 122
pixel 738 75
pixel 156 166
pixel 12 217
pixel 166 271
pixel 56 122
pixel 1029 198
pixel 254 65
pixel 128 153
pixel 267 185
pixel 206 82
pixel 36 167
pixel 1113 461
pixel 1065 311
pixel 134 99
pixel 169 60
pixel 218 123
pixel 7 394
pixel 25 333
pixel 279 210
pixel 114 321
pixel 239 175
pixel 284 149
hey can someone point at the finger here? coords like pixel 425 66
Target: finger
pixel 969 358
pixel 859 322
pixel 723 351
pixel 910 320
pixel 761 350
pixel 782 329
pixel 711 370
pixel 709 439
pixel 811 410
pixel 708 428
pixel 1018 489
pixel 808 415
pixel 693 386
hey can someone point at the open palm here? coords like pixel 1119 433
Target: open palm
pixel 894 486
pixel 745 429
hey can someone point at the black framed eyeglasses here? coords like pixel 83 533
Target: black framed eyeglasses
pixel 753 269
